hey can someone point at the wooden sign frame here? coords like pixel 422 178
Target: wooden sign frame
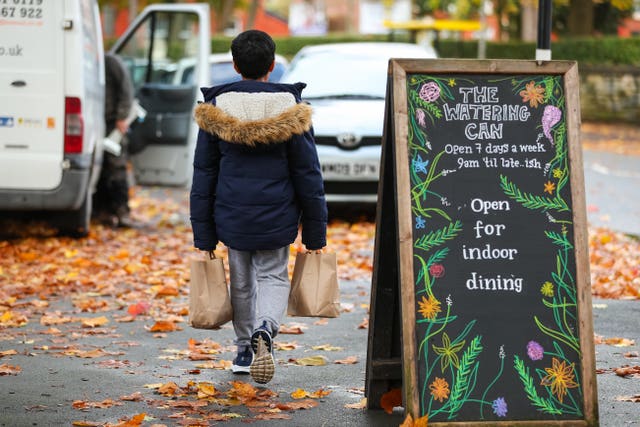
pixel 392 348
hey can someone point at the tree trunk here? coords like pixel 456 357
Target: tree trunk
pixel 580 21
pixel 529 20
pixel 251 15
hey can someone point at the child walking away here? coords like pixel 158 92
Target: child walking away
pixel 256 179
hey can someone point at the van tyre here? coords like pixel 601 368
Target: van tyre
pixel 76 223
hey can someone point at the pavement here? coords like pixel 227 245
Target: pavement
pixel 43 393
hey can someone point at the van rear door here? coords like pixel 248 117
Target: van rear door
pixel 31 87
pixel 166 49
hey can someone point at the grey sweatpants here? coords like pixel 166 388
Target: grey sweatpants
pixel 259 290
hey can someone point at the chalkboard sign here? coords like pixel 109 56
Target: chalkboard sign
pixel 482 185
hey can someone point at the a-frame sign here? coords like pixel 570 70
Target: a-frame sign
pixel 481 297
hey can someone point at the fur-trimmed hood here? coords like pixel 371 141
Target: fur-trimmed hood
pixel 253 118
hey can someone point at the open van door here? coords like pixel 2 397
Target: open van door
pixel 166 50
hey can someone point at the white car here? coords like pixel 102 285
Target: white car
pixel 221 70
pixel 346 85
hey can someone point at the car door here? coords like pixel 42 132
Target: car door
pixel 166 41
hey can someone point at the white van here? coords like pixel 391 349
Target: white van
pixel 52 101
pixel 154 48
pixel 51 108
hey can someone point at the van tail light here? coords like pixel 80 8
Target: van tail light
pixel 73 125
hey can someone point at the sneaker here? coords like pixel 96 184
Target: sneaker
pixel 242 362
pixel 263 365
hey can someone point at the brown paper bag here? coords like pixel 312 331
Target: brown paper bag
pixel 209 301
pixel 314 286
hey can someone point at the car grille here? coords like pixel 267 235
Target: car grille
pixel 351 187
pixel 333 141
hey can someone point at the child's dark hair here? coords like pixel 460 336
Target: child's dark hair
pixel 253 52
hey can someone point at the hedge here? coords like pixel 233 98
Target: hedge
pixel 289 46
pixel 592 51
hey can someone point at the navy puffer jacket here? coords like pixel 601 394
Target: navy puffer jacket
pixel 256 171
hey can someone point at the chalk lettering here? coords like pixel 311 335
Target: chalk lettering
pixel 498 283
pixel 484 206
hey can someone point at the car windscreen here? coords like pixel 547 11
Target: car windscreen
pixel 329 74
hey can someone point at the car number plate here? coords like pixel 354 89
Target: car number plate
pixel 350 170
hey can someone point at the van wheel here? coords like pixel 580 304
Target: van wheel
pixel 76 223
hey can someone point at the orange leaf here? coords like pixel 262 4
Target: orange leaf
pixel 9 370
pixel 139 308
pixel 134 397
pixel 206 390
pixel 28 256
pixel 298 404
pixel 122 254
pixel 364 324
pixel 421 422
pixel 299 394
pixel 163 326
pixel 284 346
pixel 619 342
pixel 351 360
pixel 167 291
pixel 135 421
pixel 290 330
pixel 320 393
pixel 361 404
pixel 242 390
pixel 408 421
pixel 168 389
pixel 94 322
pixel 635 398
pixel 418 422
pixel 274 416
pixel 391 399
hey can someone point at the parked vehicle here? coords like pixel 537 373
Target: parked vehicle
pixel 221 70
pixel 154 47
pixel 346 86
pixel 51 109
pixel 52 101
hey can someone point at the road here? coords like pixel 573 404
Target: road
pixel 44 392
pixel 612 184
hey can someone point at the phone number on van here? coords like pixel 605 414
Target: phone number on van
pixel 20 12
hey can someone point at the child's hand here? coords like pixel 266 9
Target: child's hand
pixel 318 251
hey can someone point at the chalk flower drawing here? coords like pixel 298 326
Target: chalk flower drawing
pixel 547 289
pixel 533 94
pixel 499 407
pixel 535 350
pixel 436 270
pixel 420 117
pixel 560 377
pixel 430 307
pixel 558 173
pixel 439 389
pixel 549 391
pixel 419 165
pixel 550 117
pixel 448 351
pixel 549 187
pixel 430 92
